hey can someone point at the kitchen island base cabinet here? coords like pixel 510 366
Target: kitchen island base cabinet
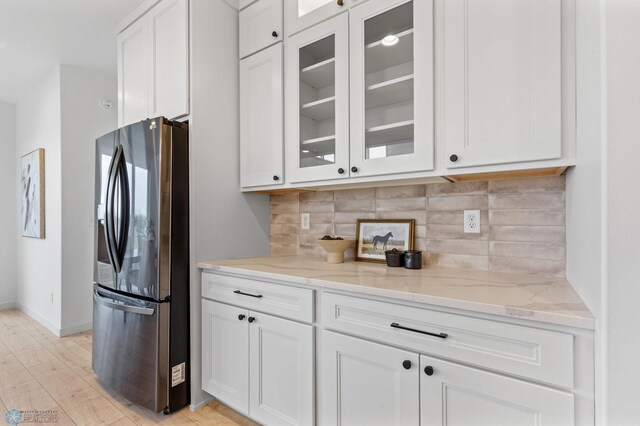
pixel 258 364
pixel 369 384
pixel 455 395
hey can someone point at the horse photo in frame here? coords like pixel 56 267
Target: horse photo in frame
pixel 375 236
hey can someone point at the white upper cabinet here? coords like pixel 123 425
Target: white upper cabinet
pixel 260 26
pixel 501 72
pixel 301 14
pixel 317 102
pixel 133 64
pixel 169 65
pixel 456 395
pixel 153 64
pixel 261 121
pixel 391 87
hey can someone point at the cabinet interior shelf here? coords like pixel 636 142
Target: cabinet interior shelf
pixel 379 57
pixel 389 134
pixel 319 110
pixel 319 75
pixel 319 146
pixel 390 92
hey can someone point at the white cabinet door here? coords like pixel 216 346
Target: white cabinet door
pixel 261 121
pixel 455 395
pixel 500 81
pixel 169 59
pixel 368 384
pixel 392 128
pixel 317 102
pixel 133 63
pixel 301 14
pixel 260 26
pixel 282 371
pixel 225 354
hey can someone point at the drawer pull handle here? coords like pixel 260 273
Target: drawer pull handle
pixel 440 335
pixel 258 296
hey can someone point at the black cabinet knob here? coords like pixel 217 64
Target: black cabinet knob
pixel 251 319
pixel 241 317
pixel 354 169
pixel 341 170
pixel 275 34
pixel 276 177
pixel 340 2
pixel 406 364
pixel 454 158
pixel 428 370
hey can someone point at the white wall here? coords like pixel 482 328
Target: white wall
pixel 8 218
pixel 225 223
pixel 623 133
pixel 38 260
pixel 62 114
pixel 83 121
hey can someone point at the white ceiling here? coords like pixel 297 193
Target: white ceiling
pixel 36 35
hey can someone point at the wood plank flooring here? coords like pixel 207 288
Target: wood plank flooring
pixel 39 371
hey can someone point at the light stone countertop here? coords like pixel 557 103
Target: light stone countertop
pixel 543 299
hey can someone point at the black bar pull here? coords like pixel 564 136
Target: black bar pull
pixel 440 335
pixel 257 296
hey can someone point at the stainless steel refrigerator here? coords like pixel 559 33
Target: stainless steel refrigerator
pixel 141 268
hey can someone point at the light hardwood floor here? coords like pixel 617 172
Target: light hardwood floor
pixel 39 371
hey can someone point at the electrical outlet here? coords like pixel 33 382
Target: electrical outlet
pixel 472 221
pixel 304 220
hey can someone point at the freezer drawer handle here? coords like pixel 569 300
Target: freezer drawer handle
pixel 440 335
pixel 122 307
pixel 257 296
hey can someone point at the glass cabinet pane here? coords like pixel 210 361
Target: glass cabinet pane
pixel 308 6
pixel 317 103
pixel 389 83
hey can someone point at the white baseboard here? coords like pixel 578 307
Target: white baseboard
pixel 66 331
pixel 199 404
pixel 52 327
pixel 7 305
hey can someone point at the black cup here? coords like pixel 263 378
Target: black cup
pixel 394 258
pixel 413 259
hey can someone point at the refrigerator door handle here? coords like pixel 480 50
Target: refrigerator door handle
pixel 109 223
pixel 125 195
pixel 121 306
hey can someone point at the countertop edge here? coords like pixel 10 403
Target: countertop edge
pixel 478 307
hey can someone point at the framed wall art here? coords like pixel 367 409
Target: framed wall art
pixel 32 194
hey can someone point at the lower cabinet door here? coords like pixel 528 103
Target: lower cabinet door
pixel 225 354
pixel 455 395
pixel 281 371
pixel 368 384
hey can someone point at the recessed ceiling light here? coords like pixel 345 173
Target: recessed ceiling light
pixel 305 151
pixel 390 40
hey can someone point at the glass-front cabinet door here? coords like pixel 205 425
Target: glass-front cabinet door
pixel 317 102
pixel 392 128
pixel 301 14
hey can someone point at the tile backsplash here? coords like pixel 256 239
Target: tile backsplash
pixel 522 222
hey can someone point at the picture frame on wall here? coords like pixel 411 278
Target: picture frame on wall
pixel 375 236
pixel 32 194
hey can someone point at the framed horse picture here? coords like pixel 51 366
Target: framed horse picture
pixel 375 236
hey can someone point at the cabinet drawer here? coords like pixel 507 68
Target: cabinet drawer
pixel 260 26
pixel 289 302
pixel 541 355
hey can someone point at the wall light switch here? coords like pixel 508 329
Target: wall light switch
pixel 304 220
pixel 472 221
